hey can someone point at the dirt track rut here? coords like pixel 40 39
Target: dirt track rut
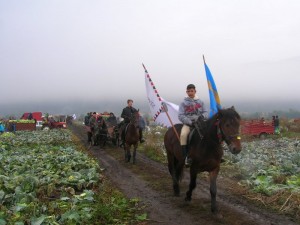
pixel 162 207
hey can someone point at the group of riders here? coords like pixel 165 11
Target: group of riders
pixel 192 113
pixel 99 124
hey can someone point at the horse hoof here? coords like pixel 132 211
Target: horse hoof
pixel 176 194
pixel 188 199
pixel 218 215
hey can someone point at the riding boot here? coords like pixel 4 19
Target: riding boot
pixel 185 152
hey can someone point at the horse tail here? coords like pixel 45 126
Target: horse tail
pixel 179 169
pixel 174 153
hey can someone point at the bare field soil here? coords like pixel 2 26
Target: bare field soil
pixel 150 182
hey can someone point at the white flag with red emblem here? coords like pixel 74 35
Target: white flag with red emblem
pixel 158 105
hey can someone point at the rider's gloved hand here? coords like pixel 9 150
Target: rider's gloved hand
pixel 194 123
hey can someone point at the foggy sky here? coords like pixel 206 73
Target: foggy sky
pixel 68 50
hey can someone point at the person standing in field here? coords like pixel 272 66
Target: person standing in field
pixel 2 128
pixel 142 126
pixel 93 121
pixel 276 125
pixel 87 126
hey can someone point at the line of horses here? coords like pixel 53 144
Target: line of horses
pixel 206 149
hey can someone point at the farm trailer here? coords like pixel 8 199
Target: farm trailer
pixel 19 125
pixel 258 128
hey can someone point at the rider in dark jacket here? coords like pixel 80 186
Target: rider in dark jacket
pixel 128 111
pixel 126 114
pixel 87 118
pixel 112 120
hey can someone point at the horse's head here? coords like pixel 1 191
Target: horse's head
pixel 134 120
pixel 229 128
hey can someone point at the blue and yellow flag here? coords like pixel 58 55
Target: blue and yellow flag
pixel 215 103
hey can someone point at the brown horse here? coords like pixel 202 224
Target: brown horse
pixel 205 150
pixel 132 137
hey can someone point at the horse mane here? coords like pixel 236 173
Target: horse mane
pixel 229 113
pixel 211 123
pixel 133 124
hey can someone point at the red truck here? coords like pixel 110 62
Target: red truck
pixel 259 128
pixel 54 122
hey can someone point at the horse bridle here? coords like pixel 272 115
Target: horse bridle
pixel 134 120
pixel 221 135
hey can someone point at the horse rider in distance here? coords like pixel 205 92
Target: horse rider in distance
pixel 126 114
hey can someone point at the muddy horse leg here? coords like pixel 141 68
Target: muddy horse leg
pixel 127 152
pixel 134 153
pixel 213 189
pixel 177 170
pixel 172 162
pixel 193 178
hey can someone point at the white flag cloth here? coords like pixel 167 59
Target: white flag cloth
pixel 155 103
pixel 74 117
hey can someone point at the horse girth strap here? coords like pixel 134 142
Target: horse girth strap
pixel 198 130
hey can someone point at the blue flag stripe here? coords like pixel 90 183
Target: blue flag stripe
pixel 215 102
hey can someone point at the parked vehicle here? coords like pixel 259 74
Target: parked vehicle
pixel 18 125
pixel 259 128
pixel 37 116
pixel 34 115
pixel 54 122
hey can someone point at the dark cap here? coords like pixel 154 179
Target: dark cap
pixel 191 86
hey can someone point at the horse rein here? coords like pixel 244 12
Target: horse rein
pixel 222 136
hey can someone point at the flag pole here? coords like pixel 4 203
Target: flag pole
pixel 165 109
pixel 203 59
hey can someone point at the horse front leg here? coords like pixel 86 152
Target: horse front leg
pixel 193 178
pixel 213 189
pixel 134 152
pixel 127 153
pixel 178 170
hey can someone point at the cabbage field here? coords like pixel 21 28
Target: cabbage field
pixel 271 169
pixel 45 179
pixel 267 171
pixel 270 165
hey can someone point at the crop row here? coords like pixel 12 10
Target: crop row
pixel 45 179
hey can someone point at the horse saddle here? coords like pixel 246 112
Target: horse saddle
pixel 124 130
pixel 199 128
pixel 193 130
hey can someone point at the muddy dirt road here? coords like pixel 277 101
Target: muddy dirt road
pixel 150 182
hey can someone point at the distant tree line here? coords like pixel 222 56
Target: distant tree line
pixel 290 114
